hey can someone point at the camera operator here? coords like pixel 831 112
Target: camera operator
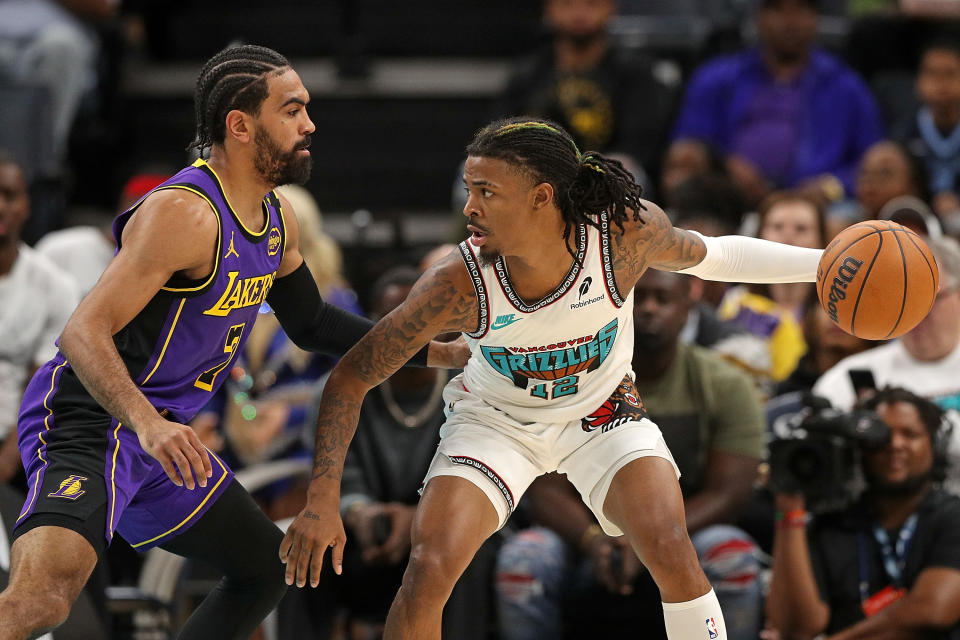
pixel 888 567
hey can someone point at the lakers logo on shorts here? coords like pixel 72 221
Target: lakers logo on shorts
pixel 70 488
pixel 623 406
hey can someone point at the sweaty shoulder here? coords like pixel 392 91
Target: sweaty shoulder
pixel 176 225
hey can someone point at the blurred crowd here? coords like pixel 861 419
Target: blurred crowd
pixel 820 471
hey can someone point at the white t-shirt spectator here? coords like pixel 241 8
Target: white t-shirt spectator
pixel 891 365
pixel 82 252
pixel 37 299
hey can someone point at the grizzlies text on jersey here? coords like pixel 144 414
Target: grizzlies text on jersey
pixel 552 360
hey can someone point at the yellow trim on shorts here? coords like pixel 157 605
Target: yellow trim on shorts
pixel 113 472
pixel 165 343
pixel 216 266
pixel 43 443
pixel 194 512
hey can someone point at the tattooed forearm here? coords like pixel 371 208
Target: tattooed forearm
pixel 310 515
pixel 337 422
pixel 434 306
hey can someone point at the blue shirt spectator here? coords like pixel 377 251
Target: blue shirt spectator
pixel 821 122
pixel 784 114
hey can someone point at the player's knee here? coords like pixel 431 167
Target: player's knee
pixel 430 569
pixel 663 544
pixel 44 611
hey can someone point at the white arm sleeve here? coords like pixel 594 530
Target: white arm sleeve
pixel 743 259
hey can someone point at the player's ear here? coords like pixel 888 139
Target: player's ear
pixel 542 195
pixel 239 126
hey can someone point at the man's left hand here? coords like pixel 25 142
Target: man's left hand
pixel 448 355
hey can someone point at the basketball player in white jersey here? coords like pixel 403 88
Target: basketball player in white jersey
pixel 542 288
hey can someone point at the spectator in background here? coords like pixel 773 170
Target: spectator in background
pixel 605 96
pixel 84 251
pixel 712 420
pixel 887 171
pixel 889 567
pixel 932 134
pixel 827 344
pixel 51 43
pixel 773 312
pixel 434 255
pixel 685 159
pixel 785 114
pixel 37 298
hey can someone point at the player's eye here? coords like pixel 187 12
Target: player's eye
pixel 486 193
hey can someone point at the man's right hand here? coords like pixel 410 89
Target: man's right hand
pixel 179 451
pixel 614 563
pixel 317 528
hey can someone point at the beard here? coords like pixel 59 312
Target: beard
pixel 581 39
pixel 909 486
pixel 487 259
pixel 649 342
pixel 278 167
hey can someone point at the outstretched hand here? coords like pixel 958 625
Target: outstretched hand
pixel 306 542
pixel 179 451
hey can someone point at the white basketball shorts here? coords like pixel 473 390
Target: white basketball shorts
pixel 502 456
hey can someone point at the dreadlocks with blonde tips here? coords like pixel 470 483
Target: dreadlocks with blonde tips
pixel 235 78
pixel 584 185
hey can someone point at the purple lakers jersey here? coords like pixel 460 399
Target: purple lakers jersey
pixel 180 347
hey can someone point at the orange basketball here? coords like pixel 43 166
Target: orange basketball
pixel 877 279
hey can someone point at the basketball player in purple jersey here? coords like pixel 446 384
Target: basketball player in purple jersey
pixel 102 429
pixel 543 290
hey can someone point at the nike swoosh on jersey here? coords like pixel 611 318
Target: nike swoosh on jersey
pixel 500 323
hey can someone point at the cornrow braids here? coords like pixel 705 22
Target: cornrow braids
pixel 584 185
pixel 235 78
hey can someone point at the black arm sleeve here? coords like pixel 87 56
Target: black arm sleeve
pixel 316 325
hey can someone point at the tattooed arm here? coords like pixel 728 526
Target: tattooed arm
pixel 652 243
pixel 442 300
pixel 658 244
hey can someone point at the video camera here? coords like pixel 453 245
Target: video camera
pixel 819 454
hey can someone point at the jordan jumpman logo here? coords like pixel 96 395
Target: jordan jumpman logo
pixel 231 250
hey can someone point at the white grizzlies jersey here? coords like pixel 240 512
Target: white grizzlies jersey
pixel 559 358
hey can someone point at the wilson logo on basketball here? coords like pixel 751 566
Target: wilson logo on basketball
pixel 838 289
